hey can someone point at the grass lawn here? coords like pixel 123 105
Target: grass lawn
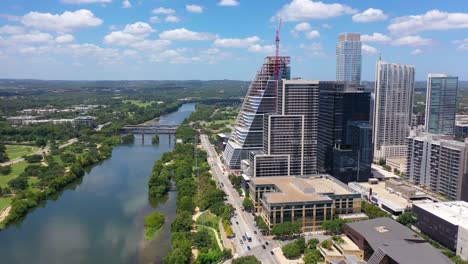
pixel 138 103
pixel 208 219
pixel 18 151
pixel 17 169
pixel 5 202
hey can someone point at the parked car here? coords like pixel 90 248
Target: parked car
pixel 237 223
pixel 243 238
pixel 263 246
pixel 242 242
pixel 271 252
pixel 248 247
pixel 266 242
pixel 255 232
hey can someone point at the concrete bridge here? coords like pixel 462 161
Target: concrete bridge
pixel 150 129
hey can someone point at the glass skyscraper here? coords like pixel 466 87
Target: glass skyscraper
pixel 441 104
pixel 349 58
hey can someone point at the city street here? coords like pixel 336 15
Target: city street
pixel 243 221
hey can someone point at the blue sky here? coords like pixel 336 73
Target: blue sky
pixel 223 39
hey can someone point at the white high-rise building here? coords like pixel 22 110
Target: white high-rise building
pixel 393 104
pixel 441 103
pixel 349 57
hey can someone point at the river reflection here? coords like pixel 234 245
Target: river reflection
pixel 101 220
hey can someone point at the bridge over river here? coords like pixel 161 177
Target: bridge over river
pixel 150 129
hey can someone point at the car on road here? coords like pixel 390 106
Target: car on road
pixel 263 246
pixel 237 223
pixel 266 243
pixel 255 232
pixel 248 247
pixel 242 242
pixel 243 238
pixel 272 253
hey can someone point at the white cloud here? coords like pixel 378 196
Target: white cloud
pixel 86 1
pixel 211 51
pixel 34 37
pixel 370 15
pixel 312 34
pixel 164 11
pixel 375 37
pixel 327 25
pixel 308 9
pixel 126 4
pixel 304 26
pixel 64 39
pixel 172 19
pixel 228 3
pixel 151 45
pixel 130 53
pixel 366 49
pixel 154 19
pixel 194 8
pixel 431 20
pixel 413 41
pixel 138 28
pixel 131 34
pixel 416 52
pixel 462 44
pixel 257 48
pixel 315 46
pixel 236 42
pixel 183 34
pixel 13 30
pixel 68 21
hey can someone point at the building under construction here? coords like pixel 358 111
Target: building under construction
pixel 261 99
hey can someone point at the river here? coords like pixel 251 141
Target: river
pixel 100 218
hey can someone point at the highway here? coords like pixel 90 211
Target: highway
pixel 243 221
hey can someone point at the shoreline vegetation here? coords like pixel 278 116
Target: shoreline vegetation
pixel 187 167
pixel 43 176
pixel 153 223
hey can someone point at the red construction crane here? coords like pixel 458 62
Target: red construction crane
pixel 277 63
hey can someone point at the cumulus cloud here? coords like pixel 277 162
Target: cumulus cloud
pixel 462 44
pixel 327 26
pixel 236 42
pixel 33 37
pixel 304 26
pixel 154 19
pixel 308 9
pixel 375 37
pixel 416 52
pixel 366 49
pixel 64 39
pixel 172 19
pixel 431 20
pixel 228 3
pixel 86 1
pixel 257 48
pixel 138 28
pixel 183 34
pixel 194 8
pixel 370 15
pixel 131 34
pixel 68 21
pixel 126 4
pixel 8 29
pixel 163 10
pixel 413 41
pixel 211 51
pixel 312 34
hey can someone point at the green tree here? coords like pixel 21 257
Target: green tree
pixel 408 219
pixel 247 204
pixel 183 222
pixel 261 224
pixel 33 158
pixel 153 222
pixel 373 211
pixel 128 139
pixel 155 139
pixel 312 243
pixel 246 260
pixel 382 162
pixel 291 250
pixel 286 229
pixel 312 256
pixel 326 244
pixel 5 170
pixel 20 183
pixel 334 226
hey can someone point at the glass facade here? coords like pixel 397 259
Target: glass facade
pixel 441 104
pixel 349 58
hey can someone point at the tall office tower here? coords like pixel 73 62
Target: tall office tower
pixel 284 135
pixel 260 99
pixel 348 58
pixel 441 103
pixel 440 163
pixel 301 97
pixel 394 88
pixel 339 104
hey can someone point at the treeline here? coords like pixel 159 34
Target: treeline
pixel 187 167
pixel 3 155
pixel 55 176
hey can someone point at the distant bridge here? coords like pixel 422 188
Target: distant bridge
pixel 150 129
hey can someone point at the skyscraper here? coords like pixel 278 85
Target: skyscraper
pixel 348 58
pixel 340 104
pixel 261 99
pixel 441 103
pixel 394 88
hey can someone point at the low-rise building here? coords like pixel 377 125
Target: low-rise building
pixel 309 200
pixel 84 121
pixel 385 241
pixel 446 223
pixel 343 250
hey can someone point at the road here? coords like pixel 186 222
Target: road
pixel 39 152
pixel 243 221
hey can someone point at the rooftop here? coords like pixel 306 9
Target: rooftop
pixel 455 212
pixel 295 189
pixel 398 242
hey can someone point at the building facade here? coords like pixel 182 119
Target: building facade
pixel 309 200
pixel 441 104
pixel 261 99
pixel 349 58
pixel 394 89
pixel 439 163
pixel 339 105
